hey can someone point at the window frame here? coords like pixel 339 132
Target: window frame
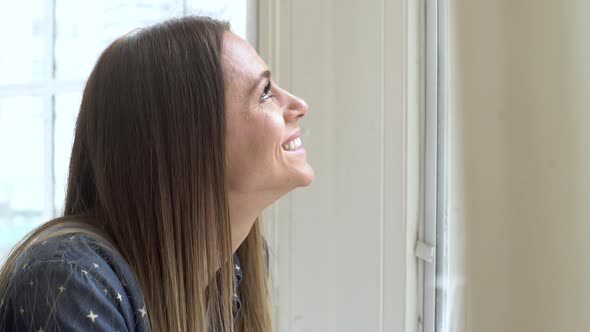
pixel 428 236
pixel 433 236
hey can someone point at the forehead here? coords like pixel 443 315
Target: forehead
pixel 241 63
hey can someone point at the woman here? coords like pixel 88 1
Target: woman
pixel 181 141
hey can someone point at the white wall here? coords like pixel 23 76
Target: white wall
pixel 520 128
pixel 343 247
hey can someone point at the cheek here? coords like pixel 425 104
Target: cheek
pixel 253 143
pixel 264 136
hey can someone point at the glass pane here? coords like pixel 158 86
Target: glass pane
pixel 22 27
pixel 86 28
pixel 234 11
pixel 22 171
pixel 66 112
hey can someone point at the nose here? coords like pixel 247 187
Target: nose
pixel 295 108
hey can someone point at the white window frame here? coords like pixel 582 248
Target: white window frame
pixel 434 224
pixel 428 238
pixel 442 219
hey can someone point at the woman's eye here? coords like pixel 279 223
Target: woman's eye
pixel 267 93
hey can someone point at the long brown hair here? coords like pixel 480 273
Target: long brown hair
pixel 147 171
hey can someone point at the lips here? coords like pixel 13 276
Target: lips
pixel 295 135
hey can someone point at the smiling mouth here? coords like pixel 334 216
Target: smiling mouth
pixel 292 145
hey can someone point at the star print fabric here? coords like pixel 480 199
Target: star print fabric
pixel 77 282
pixel 73 283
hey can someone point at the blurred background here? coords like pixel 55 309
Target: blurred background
pixel 449 139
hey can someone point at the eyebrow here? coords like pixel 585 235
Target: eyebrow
pixel 264 75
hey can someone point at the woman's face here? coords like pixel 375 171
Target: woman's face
pixel 264 151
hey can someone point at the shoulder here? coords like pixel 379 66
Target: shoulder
pixel 72 282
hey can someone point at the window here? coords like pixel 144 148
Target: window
pixel 431 248
pixel 48 50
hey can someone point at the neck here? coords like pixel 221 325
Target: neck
pixel 244 209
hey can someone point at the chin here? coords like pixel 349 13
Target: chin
pixel 307 177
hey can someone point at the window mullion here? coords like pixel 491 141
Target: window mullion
pixel 443 283
pixel 45 87
pixel 430 165
pixel 48 109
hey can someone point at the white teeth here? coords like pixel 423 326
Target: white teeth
pixel 293 145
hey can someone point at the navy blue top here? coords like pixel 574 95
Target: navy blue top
pixel 77 282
